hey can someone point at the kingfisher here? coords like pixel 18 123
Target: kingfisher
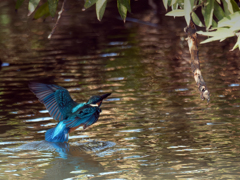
pixel 62 108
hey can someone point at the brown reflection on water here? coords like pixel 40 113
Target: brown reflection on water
pixel 155 116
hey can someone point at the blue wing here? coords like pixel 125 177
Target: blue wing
pixel 55 98
pixel 87 116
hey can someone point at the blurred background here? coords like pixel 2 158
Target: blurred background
pixel 154 125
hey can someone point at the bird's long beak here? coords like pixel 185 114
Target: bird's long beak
pixel 105 95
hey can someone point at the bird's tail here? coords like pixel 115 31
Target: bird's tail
pixel 57 134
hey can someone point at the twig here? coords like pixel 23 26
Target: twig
pixel 195 65
pixel 197 6
pixel 59 16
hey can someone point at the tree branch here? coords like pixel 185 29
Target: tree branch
pixel 195 65
pixel 59 16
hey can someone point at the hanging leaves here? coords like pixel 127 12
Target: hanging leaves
pixel 231 21
pixel 227 5
pixel 173 2
pixel 235 6
pixel 52 5
pixel 89 3
pixel 237 43
pixel 100 8
pixel 196 20
pixel 207 12
pixel 175 6
pixel 226 12
pixel 219 34
pixel 32 6
pixel 227 27
pixel 218 11
pixel 123 7
pixel 188 6
pixel 165 3
pixel 178 13
pixel 42 11
pixel 214 24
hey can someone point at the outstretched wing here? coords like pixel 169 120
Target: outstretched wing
pixel 87 116
pixel 55 98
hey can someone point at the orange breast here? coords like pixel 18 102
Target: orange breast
pixel 99 103
pixel 73 129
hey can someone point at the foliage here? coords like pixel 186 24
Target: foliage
pixel 46 9
pixel 123 7
pixel 49 8
pixel 221 17
pixel 32 6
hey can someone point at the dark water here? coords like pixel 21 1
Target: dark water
pixel 154 125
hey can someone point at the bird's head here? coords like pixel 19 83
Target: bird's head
pixel 97 99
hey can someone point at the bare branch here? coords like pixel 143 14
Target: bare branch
pixel 195 64
pixel 59 16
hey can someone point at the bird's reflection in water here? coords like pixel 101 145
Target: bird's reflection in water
pixel 73 159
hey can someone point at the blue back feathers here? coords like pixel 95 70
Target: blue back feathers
pixel 86 117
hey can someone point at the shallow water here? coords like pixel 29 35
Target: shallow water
pixel 154 125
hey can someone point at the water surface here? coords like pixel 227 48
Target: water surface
pixel 154 125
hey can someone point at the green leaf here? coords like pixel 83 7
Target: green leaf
pixel 100 8
pixel 89 3
pixel 178 13
pixel 230 20
pixel 235 6
pixel 237 44
pixel 165 3
pixel 181 4
pixel 18 4
pixel 188 6
pixel 32 6
pixel 173 2
pixel 42 11
pixel 235 27
pixel 125 3
pixel 214 24
pixel 214 33
pixel 210 40
pixel 52 5
pixel 207 12
pixel 218 11
pixel 175 6
pixel 220 33
pixel 122 9
pixel 227 5
pixel 223 39
pixel 169 2
pixel 196 20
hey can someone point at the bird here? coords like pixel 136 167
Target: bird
pixel 62 108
